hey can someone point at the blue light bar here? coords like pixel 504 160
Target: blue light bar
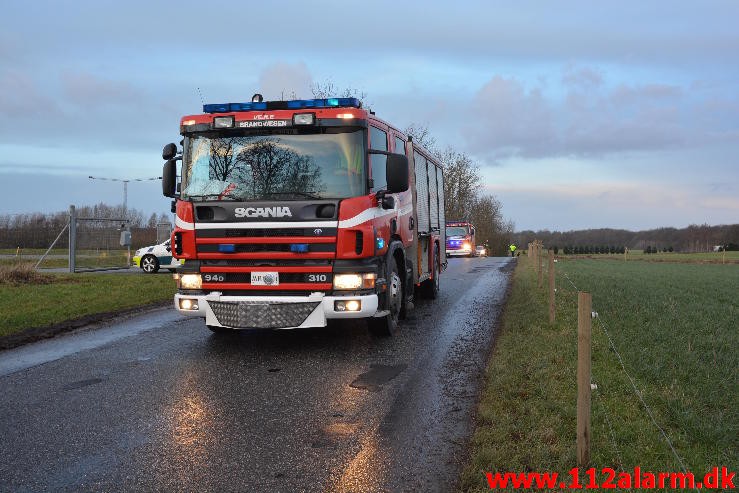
pixel 227 248
pixel 323 103
pixel 248 106
pixel 215 108
pixel 226 107
pixel 295 104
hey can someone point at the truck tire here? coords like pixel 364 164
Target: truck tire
pixel 150 264
pixel 387 325
pixel 431 286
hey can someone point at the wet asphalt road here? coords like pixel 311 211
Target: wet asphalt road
pixel 159 403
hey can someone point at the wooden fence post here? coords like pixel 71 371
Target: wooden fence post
pixel 539 266
pixel 551 287
pixel 584 324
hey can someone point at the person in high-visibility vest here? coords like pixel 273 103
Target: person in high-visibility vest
pixel 513 250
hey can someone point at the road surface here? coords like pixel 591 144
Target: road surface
pixel 157 402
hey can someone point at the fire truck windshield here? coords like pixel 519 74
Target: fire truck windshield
pixel 281 166
pixel 456 231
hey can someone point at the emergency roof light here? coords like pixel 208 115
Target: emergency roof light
pixel 294 104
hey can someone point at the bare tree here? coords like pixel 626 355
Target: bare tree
pixel 328 89
pixel 462 182
pixel 422 136
pixel 487 218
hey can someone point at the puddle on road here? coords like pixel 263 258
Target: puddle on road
pixel 82 383
pixel 376 377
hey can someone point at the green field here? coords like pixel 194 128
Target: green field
pixel 640 256
pixel 676 327
pixel 70 296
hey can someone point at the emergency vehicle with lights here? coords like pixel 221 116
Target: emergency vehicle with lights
pixel 293 213
pixel 460 239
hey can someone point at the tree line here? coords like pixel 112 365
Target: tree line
pixel 694 238
pixel 38 230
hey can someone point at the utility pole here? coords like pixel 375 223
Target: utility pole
pixel 125 186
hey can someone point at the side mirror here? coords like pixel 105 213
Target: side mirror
pixel 396 172
pixel 169 178
pixel 169 151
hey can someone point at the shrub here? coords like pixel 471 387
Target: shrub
pixel 23 273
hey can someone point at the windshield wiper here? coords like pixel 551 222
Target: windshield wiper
pixel 309 195
pixel 214 197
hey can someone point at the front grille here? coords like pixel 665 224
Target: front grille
pixel 261 315
pixel 269 248
pixel 266 263
pixel 265 232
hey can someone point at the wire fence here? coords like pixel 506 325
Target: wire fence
pixel 535 253
pixel 632 381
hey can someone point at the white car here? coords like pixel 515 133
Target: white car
pixel 153 258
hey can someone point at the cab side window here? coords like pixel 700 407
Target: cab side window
pixel 399 145
pixel 378 141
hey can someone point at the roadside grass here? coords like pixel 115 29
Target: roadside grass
pixel 676 327
pixel 61 297
pixel 85 259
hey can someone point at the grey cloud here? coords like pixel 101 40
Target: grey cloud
pixel 20 97
pixel 629 95
pixel 511 120
pixel 87 89
pixel 582 77
pixel 592 119
pixel 524 31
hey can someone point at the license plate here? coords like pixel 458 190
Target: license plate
pixel 265 278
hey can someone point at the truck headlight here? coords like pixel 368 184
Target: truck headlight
pixel 190 281
pixel 355 281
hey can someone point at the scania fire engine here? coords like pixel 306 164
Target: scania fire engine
pixel 293 213
pixel 460 238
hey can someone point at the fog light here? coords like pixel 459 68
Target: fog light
pixel 353 305
pixel 347 306
pixel 188 304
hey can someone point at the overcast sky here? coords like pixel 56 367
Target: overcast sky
pixel 580 114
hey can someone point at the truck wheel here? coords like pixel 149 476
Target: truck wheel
pixel 387 325
pixel 220 330
pixel 431 286
pixel 150 264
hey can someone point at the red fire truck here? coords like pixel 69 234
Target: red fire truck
pixel 293 213
pixel 460 238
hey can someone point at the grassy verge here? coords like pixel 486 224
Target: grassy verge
pixel 674 325
pixel 85 259
pixel 31 303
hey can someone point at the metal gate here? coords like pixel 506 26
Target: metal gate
pixel 98 244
